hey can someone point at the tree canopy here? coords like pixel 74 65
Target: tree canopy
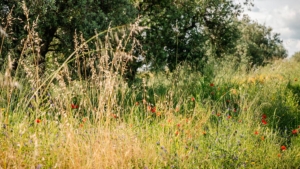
pixel 191 31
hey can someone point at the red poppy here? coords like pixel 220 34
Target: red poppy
pixel 229 117
pixel 283 148
pixel 115 116
pixel 256 132
pixel 263 121
pixel 218 114
pixel 153 109
pixel 193 98
pixel 38 120
pixel 74 106
pixel 211 85
pixel 294 131
pixel 176 133
pixel 178 125
pixel 264 116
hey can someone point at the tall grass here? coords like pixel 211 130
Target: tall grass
pixel 91 118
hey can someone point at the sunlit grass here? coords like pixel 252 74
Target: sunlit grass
pixel 178 120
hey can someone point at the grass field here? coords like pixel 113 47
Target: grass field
pixel 183 119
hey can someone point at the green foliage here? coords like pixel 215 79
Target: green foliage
pixel 258 44
pixel 195 32
pixel 188 31
pixel 58 21
pixel 296 57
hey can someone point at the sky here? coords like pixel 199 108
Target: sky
pixel 281 15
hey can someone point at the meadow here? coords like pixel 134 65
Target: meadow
pixel 183 119
pixel 228 116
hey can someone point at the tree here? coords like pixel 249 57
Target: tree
pixel 188 30
pixel 58 20
pixel 258 43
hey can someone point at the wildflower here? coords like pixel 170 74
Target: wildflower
pixel 153 109
pixel 218 114
pixel 229 117
pixel 294 132
pixel 264 121
pixel 38 120
pixel 233 91
pixel 74 106
pixel 211 85
pixel 264 116
pixel 256 132
pixel 193 99
pixel 136 103
pixel 278 155
pixel 84 119
pixel 115 116
pixel 158 113
pixel 178 125
pixel 81 125
pixel 177 133
pixel 234 110
pixel 283 148
pixel 204 132
pixel 262 138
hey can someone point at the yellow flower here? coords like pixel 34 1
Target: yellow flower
pixel 261 79
pixel 233 91
pixel 251 80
